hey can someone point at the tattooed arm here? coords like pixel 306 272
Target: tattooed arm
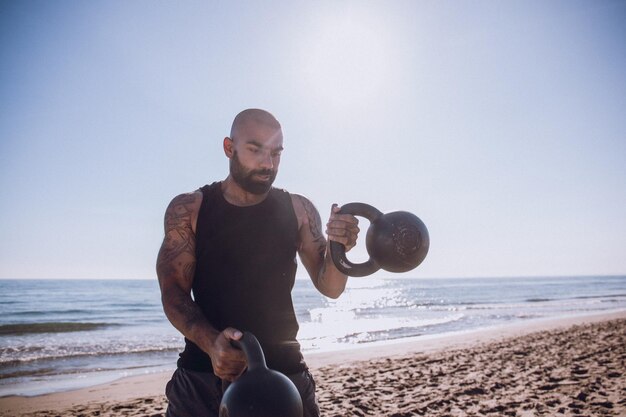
pixel 176 264
pixel 313 248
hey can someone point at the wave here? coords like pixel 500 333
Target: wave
pixel 410 329
pixel 19 329
pixel 601 297
pixel 340 330
pixel 62 310
pixel 49 364
pixel 584 297
pixel 380 335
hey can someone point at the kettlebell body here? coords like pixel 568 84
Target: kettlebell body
pixel 260 391
pixel 395 242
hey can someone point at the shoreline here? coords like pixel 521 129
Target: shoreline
pixel 143 394
pixel 452 340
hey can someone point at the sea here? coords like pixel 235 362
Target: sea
pixel 58 335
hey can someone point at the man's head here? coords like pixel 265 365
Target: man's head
pixel 254 148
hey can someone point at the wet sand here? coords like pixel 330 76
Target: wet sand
pixel 565 367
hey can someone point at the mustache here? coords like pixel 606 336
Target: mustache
pixel 263 172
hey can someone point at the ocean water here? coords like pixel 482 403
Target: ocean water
pixel 63 334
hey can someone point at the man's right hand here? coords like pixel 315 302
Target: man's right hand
pixel 228 361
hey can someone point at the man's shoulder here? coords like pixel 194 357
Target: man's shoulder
pixel 186 202
pixel 297 197
pixel 187 198
pixel 193 198
pixel 183 210
pixel 303 207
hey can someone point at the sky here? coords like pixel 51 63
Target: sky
pixel 502 125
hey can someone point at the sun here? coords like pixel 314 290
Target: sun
pixel 349 59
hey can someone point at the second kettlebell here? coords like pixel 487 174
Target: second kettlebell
pixel 260 391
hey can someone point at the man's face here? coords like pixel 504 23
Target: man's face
pixel 256 156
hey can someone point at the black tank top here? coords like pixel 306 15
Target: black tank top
pixel 245 271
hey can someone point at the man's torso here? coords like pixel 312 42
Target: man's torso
pixel 245 270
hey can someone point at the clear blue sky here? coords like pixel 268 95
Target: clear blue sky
pixel 502 124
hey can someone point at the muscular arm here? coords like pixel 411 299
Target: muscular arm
pixel 314 250
pixel 176 265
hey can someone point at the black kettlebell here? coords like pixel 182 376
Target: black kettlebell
pixel 395 242
pixel 260 391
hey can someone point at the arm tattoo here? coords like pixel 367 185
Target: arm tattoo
pixel 189 270
pixel 179 239
pixel 315 226
pixel 189 310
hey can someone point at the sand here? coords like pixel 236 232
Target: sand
pixel 564 367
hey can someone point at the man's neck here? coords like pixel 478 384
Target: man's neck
pixel 237 196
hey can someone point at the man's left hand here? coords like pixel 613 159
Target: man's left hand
pixel 342 228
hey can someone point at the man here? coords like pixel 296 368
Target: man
pixel 233 244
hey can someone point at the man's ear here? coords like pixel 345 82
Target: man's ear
pixel 228 147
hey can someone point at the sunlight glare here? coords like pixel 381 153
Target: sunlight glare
pixel 349 62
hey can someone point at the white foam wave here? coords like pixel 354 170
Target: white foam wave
pixel 334 327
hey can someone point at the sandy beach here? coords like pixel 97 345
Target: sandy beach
pixel 564 367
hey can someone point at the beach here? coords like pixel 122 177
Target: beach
pixel 554 367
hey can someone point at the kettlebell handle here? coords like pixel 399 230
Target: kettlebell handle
pixel 338 251
pixel 252 349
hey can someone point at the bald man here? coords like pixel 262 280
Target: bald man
pixel 233 244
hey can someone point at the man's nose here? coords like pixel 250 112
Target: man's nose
pixel 267 161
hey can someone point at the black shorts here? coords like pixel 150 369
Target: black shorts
pixel 198 394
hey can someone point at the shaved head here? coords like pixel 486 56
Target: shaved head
pixel 253 117
pixel 254 148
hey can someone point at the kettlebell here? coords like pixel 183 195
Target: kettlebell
pixel 395 242
pixel 260 391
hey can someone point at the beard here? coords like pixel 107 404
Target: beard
pixel 245 178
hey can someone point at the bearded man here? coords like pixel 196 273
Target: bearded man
pixel 228 264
